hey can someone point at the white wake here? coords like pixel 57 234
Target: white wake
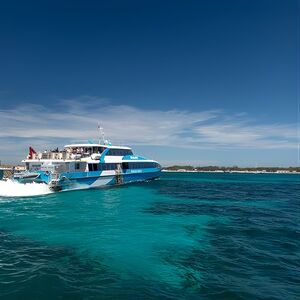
pixel 11 188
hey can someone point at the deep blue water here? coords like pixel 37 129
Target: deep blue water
pixel 185 236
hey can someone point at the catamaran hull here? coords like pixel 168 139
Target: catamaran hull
pixel 107 180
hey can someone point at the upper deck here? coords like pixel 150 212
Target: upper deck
pixel 79 151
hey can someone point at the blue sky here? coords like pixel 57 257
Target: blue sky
pixel 200 82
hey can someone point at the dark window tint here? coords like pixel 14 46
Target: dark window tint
pixel 102 167
pixel 91 167
pixel 140 165
pixel 125 166
pixel 119 152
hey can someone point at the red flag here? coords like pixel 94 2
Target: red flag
pixel 31 152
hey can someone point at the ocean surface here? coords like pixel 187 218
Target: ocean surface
pixel 185 236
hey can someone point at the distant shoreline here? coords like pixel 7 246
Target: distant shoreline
pixel 226 172
pixel 208 169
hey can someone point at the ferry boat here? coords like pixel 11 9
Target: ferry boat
pixel 90 165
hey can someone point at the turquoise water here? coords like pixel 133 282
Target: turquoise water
pixel 185 236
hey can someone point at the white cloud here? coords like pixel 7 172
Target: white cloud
pixel 76 120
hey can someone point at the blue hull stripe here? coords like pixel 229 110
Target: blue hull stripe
pixel 72 180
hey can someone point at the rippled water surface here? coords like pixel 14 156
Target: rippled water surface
pixel 185 236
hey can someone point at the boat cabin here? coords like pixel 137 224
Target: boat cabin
pixel 61 160
pixel 78 151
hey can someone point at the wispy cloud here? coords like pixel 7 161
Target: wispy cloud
pixel 75 120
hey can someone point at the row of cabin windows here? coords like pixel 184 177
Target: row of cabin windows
pixel 80 166
pixel 102 167
pixel 125 166
pixel 119 152
pixel 139 165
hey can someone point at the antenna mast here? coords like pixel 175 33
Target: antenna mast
pixel 101 134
